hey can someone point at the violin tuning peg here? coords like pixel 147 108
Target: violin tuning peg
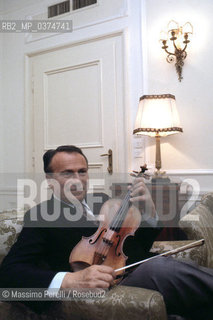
pixel 144 168
pixel 135 171
pixel 133 174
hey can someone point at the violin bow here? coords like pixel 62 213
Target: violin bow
pixel 165 254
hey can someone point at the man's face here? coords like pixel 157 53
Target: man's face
pixel 70 170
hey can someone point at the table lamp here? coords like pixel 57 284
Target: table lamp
pixel 157 117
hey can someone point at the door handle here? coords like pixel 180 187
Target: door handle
pixel 109 155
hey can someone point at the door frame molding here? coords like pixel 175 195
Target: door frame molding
pixel 29 110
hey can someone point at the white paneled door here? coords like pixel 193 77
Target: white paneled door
pixel 78 99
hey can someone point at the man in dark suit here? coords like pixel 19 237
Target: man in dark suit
pixel 40 257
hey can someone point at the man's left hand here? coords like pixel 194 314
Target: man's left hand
pixel 141 198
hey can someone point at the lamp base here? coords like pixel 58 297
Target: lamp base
pixel 160 177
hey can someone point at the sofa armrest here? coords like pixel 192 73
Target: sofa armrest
pixel 198 224
pixel 197 254
pixel 120 302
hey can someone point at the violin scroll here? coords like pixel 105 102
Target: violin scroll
pixel 141 173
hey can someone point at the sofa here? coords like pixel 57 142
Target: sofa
pixel 120 302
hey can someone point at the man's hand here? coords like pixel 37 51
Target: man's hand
pixel 141 198
pixel 96 276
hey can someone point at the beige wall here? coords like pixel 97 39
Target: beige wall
pixel 194 148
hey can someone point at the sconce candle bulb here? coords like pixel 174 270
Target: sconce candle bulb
pixel 172 26
pixel 163 36
pixel 178 36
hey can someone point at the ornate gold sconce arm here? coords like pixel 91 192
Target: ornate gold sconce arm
pixel 179 54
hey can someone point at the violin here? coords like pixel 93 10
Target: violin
pixel 118 220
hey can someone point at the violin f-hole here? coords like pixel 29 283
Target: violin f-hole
pixel 93 242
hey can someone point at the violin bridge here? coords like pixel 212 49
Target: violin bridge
pixel 108 242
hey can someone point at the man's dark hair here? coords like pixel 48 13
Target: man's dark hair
pixel 49 154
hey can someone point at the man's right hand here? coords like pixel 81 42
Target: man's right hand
pixel 95 276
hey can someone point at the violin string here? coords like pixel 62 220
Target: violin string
pixel 100 248
pixel 119 217
pixel 117 222
pixel 121 213
pixel 103 248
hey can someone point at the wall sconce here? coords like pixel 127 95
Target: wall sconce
pixel 157 117
pixel 179 39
